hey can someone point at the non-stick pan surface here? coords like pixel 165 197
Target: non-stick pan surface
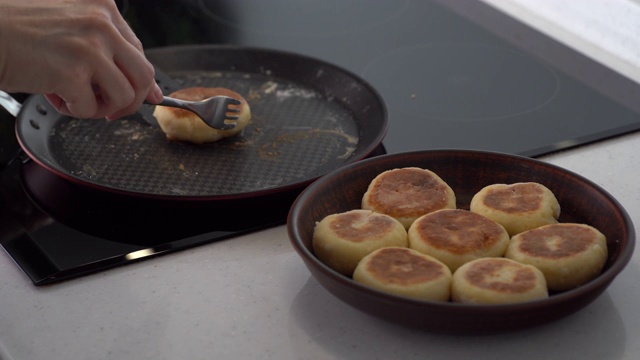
pixel 308 118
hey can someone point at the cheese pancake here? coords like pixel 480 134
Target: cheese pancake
pixel 568 254
pixel 497 281
pixel 405 272
pixel 457 236
pixel 184 125
pixel 342 240
pixel 408 193
pixel 518 207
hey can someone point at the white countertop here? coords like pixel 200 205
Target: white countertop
pixel 605 30
pixel 252 297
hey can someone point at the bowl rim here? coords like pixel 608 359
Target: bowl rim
pixel 602 281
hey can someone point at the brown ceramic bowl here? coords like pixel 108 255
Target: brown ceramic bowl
pixel 466 172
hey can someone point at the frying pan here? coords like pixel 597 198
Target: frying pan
pixel 308 117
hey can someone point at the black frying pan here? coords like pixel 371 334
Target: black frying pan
pixel 308 118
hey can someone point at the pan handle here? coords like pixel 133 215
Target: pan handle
pixel 9 103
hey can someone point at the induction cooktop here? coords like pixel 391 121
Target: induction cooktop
pixel 453 74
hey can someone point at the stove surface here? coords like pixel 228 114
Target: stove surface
pixel 453 74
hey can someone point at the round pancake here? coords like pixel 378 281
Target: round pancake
pixel 405 272
pixel 518 207
pixel 342 240
pixel 568 254
pixel 456 236
pixel 184 125
pixel 497 281
pixel 408 193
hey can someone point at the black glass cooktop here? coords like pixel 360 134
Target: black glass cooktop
pixel 453 74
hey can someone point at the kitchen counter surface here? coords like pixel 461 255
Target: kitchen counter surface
pixel 252 297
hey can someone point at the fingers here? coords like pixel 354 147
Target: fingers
pixel 137 74
pixel 127 80
pixel 155 94
pixel 96 92
pixel 115 76
pixel 58 103
pixel 119 94
pixel 136 69
pixel 80 103
pixel 114 90
pixel 125 84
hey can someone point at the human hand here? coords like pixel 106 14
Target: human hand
pixel 80 53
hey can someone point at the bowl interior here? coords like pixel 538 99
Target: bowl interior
pixel 466 172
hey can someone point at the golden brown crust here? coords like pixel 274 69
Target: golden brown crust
pixel 456 236
pixel 342 240
pixel 483 275
pixel 556 242
pixel 405 272
pixel 394 190
pixel 497 281
pixel 401 266
pixel 568 254
pixel 183 125
pixel 515 199
pixel 408 193
pixel 518 207
pixel 458 231
pixel 359 226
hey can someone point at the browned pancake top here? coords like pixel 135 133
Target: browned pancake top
pixel 556 241
pixel 359 226
pixel 197 94
pixel 458 231
pixel 407 192
pixel 399 266
pixel 501 275
pixel 515 198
